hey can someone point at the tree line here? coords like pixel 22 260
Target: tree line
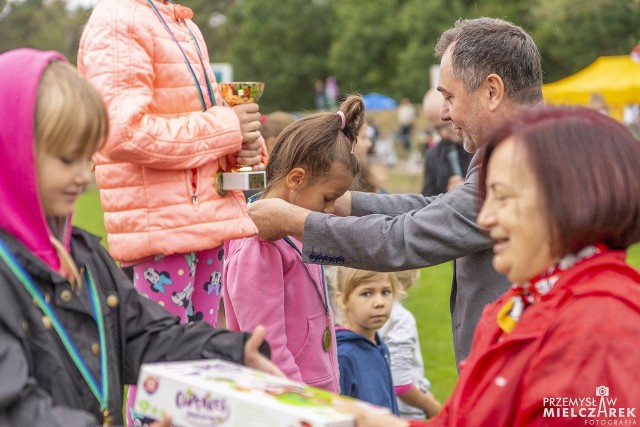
pixel 381 46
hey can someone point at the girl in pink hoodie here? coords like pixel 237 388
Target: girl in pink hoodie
pixel 311 165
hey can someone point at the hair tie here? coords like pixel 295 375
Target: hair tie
pixel 342 118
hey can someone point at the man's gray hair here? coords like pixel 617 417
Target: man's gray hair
pixel 486 46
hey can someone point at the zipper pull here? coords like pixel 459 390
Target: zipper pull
pixel 194 199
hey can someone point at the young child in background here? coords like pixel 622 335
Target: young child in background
pixel 400 333
pixel 312 164
pixel 73 330
pixel 364 300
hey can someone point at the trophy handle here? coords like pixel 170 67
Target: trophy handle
pixel 217 183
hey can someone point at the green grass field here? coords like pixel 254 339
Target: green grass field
pixel 428 299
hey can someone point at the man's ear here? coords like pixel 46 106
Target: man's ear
pixel 295 179
pixel 495 90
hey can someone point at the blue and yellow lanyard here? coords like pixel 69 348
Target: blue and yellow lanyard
pixel 212 98
pixel 101 393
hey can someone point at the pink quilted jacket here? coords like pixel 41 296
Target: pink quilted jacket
pixel 157 169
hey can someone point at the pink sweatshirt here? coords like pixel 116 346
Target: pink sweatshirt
pixel 266 283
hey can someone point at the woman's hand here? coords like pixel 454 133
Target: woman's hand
pixel 165 422
pixel 367 418
pixel 254 359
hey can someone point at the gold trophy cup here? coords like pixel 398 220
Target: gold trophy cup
pixel 242 177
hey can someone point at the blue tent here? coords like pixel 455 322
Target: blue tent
pixel 378 101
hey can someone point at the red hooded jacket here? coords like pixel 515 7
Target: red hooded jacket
pixel 579 345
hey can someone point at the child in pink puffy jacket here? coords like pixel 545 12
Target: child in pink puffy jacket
pixel 170 135
pixel 311 165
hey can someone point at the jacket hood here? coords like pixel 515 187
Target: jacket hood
pixel 344 335
pixel 22 215
pixel 608 261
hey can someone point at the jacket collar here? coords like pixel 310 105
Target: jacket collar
pixel 537 317
pixel 83 248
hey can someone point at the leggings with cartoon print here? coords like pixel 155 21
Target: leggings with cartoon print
pixel 187 285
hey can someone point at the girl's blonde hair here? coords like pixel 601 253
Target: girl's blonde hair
pixel 316 142
pixel 407 278
pixel 68 110
pixel 348 279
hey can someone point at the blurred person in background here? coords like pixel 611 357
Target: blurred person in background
pixel 331 92
pixel 415 398
pixel 385 150
pixel 373 131
pixel 320 99
pixel 407 114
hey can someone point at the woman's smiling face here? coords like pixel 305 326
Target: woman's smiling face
pixel 513 213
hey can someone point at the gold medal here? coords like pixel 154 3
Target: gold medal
pixel 326 339
pixel 107 420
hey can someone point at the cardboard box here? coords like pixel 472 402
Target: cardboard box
pixel 219 393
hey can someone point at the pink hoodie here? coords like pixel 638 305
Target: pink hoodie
pixel 266 283
pixel 22 215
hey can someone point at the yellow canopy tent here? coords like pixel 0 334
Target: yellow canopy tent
pixel 615 78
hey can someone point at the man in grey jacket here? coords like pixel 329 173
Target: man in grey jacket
pixel 489 69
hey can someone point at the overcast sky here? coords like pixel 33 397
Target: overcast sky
pixel 72 4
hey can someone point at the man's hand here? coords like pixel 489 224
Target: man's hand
pixel 454 181
pixel 254 359
pixel 342 207
pixel 276 218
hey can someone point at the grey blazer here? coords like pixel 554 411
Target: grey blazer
pixel 390 232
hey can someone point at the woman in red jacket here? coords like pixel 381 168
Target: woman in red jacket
pixel 562 347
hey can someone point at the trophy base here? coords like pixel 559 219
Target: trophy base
pixel 226 181
pixel 241 168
